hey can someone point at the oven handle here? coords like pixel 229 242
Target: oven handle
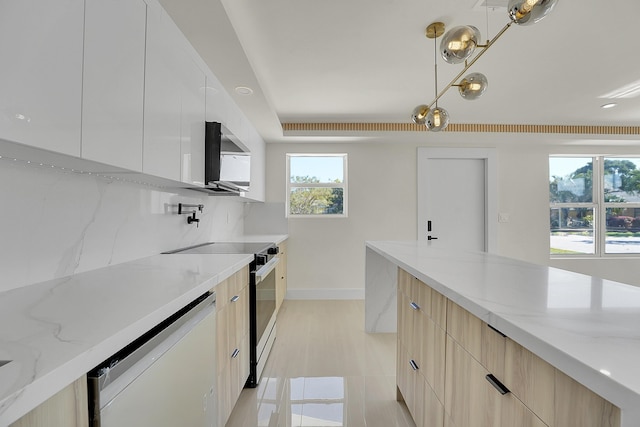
pixel 264 271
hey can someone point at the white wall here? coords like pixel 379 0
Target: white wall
pixel 326 256
pixel 54 224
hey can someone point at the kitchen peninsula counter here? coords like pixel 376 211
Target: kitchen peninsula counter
pixel 586 327
pixel 56 331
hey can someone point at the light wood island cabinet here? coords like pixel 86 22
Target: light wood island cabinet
pixel 460 372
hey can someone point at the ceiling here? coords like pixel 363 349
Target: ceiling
pixel 368 61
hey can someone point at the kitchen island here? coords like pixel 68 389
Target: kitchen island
pixel 583 326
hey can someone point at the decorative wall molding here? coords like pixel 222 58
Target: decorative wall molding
pixel 463 127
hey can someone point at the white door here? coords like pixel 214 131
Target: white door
pixel 456 198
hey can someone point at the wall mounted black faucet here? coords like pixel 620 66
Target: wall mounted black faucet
pixel 191 212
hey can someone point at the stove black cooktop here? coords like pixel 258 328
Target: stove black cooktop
pixel 225 248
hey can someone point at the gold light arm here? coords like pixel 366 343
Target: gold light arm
pixel 468 65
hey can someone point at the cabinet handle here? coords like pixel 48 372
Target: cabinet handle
pixel 497 331
pixel 414 365
pixel 497 384
pixel 235 353
pixel 414 305
pixel 235 298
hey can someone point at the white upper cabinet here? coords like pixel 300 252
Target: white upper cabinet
pixel 113 82
pixel 162 112
pixel 192 123
pixel 174 117
pixel 41 73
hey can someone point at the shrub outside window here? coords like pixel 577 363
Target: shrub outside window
pixel 317 185
pixel 594 205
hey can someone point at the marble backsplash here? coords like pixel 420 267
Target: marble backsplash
pixel 54 223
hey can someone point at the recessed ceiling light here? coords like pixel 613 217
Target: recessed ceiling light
pixel 243 90
pixel 609 105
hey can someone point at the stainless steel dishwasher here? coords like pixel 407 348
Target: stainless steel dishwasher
pixel 165 378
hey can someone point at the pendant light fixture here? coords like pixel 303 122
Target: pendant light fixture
pixel 438 118
pixel 458 45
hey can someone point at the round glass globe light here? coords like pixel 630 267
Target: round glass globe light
pixel 459 43
pixel 437 119
pixel 472 86
pixel 419 114
pixel 527 12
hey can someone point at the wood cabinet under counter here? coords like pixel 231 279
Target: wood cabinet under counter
pixel 485 378
pixel 281 275
pixel 534 305
pixel 232 340
pixel 67 408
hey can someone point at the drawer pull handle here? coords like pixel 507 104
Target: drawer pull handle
pixel 414 365
pixel 414 306
pixel 235 353
pixel 497 331
pixel 235 298
pixel 497 384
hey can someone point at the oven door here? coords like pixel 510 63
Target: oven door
pixel 265 300
pixel 265 288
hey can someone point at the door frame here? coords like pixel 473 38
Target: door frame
pixel 490 157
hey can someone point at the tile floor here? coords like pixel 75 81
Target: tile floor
pixel 324 370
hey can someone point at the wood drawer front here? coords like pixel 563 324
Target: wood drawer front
pixel 493 344
pixel 577 406
pixel 472 401
pixel 222 294
pixel 433 408
pixel 465 328
pixel 404 282
pixel 411 386
pixel 431 302
pixel 409 326
pixel 238 281
pixel 531 379
pixel 432 355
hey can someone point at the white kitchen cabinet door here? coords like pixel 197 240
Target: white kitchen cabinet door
pixel 113 82
pixel 192 128
pixel 41 73
pixel 217 101
pixel 162 112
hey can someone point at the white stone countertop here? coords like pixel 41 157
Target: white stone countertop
pixel 267 238
pixel 585 326
pixel 56 331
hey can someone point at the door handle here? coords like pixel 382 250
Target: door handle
pixel 431 238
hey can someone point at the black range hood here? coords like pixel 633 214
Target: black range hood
pixel 227 169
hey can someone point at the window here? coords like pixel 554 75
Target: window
pixel 594 205
pixel 317 185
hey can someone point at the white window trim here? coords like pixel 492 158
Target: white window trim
pixel 343 185
pixel 599 207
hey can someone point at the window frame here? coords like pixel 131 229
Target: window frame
pixel 343 185
pixel 598 205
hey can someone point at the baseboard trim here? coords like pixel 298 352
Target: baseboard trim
pixel 335 294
